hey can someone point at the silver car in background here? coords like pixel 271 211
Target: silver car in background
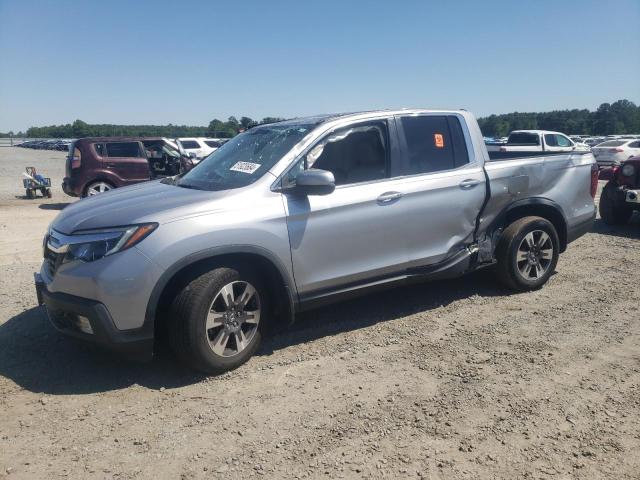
pixel 291 215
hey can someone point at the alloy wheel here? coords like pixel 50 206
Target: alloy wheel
pixel 98 187
pixel 534 255
pixel 233 318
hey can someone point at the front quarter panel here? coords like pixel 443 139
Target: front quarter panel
pixel 252 219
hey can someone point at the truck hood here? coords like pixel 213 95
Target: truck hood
pixel 144 202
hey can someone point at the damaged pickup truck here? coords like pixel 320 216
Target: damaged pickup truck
pixel 296 214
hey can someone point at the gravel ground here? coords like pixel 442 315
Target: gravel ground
pixel 456 379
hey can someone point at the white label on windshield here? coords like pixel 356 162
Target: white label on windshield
pixel 245 167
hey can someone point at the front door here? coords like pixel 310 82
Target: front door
pixel 355 234
pixel 127 161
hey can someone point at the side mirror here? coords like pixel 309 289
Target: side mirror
pixel 192 155
pixel 314 182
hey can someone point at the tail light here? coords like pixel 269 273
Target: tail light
pixel 594 179
pixel 616 150
pixel 76 157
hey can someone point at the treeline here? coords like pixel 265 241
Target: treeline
pixel 216 128
pixel 619 117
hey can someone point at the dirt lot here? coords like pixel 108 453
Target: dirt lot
pixel 458 379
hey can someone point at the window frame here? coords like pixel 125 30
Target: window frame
pixel 141 152
pixel 391 153
pixel 471 151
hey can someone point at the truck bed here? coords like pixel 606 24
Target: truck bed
pixel 498 156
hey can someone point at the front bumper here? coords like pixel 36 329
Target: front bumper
pixel 70 315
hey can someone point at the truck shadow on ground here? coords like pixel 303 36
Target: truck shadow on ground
pixel 630 230
pixel 37 358
pixel 53 206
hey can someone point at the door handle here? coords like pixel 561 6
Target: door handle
pixel 111 165
pixel 469 183
pixel 389 197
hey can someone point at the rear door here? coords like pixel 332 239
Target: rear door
pixel 443 186
pixel 127 161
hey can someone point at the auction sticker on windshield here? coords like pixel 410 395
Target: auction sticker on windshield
pixel 245 167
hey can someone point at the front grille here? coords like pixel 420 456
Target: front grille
pixel 52 259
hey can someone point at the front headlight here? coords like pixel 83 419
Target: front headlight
pixel 628 170
pixel 90 245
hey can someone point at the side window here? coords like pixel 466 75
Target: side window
pixel 550 140
pixel 123 149
pixel 353 154
pixel 189 144
pixel 563 141
pixel 99 148
pixel 634 145
pixel 434 143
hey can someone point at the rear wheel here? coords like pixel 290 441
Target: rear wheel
pixel 97 187
pixel 527 253
pixel 611 213
pixel 217 320
pixel 30 194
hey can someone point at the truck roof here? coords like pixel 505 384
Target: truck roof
pixel 542 132
pixel 318 119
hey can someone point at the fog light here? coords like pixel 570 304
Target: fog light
pixel 84 325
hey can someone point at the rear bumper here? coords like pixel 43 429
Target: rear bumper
pixel 69 187
pixel 70 314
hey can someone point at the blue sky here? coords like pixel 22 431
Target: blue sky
pixel 186 62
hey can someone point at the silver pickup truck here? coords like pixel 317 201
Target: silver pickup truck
pixel 291 215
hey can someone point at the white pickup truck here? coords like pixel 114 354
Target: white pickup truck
pixel 538 141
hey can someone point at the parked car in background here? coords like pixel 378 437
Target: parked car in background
pixel 99 164
pixel 301 213
pixel 540 140
pixel 621 195
pixel 200 147
pixel 614 152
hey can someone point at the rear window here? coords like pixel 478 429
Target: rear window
pixel 212 144
pixel 523 138
pixel 123 149
pixel 99 148
pixel 434 143
pixel 612 143
pixel 189 144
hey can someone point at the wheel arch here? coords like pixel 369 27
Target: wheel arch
pixel 276 278
pixel 538 207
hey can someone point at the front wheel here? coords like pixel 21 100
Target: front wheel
pixel 217 320
pixel 527 253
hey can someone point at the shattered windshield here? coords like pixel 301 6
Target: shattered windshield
pixel 244 158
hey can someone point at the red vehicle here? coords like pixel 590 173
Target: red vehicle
pixel 98 164
pixel 621 195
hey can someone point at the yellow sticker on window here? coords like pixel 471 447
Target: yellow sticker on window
pixel 438 139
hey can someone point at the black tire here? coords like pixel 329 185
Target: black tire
pixel 507 269
pixel 48 192
pixel 187 331
pixel 30 194
pixel 611 213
